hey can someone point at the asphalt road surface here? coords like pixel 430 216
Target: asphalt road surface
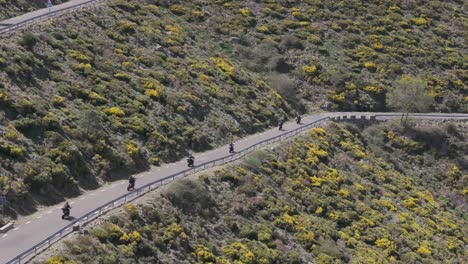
pixel 39 12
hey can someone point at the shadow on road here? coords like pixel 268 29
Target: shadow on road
pixel 69 218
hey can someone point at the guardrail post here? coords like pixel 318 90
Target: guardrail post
pixel 344 118
pixel 373 118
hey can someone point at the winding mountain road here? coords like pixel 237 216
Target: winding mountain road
pixel 27 18
pixel 33 229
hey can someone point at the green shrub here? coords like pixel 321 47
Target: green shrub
pixel 29 40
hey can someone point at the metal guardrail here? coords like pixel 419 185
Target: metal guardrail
pixel 33 251
pixel 53 13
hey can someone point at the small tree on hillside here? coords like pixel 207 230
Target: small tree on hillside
pixel 29 40
pixel 409 95
pixel 90 123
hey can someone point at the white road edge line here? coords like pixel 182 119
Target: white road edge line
pixel 28 222
pixel 5 235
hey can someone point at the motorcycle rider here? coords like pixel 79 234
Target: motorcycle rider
pixel 281 125
pixel 190 160
pixel 131 183
pixel 298 119
pixel 66 210
pixel 231 147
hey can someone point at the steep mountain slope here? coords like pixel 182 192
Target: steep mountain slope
pixel 102 93
pixel 98 97
pixel 12 8
pixel 332 196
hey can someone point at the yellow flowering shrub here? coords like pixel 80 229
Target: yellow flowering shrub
pixel 79 56
pixel 178 9
pixel 57 260
pixel 175 30
pixel 132 148
pixel 285 221
pixel 453 243
pixel 454 173
pixel 316 181
pixel 115 111
pixel 359 153
pixel 419 21
pixel 245 12
pixel 263 29
pixel 343 192
pixel 97 97
pixel 424 249
pixel 394 8
pixel 309 69
pixel 374 89
pixel 370 66
pixel 151 93
pixel 317 131
pixel 11 133
pixel 337 97
pixel 57 100
pixel 378 46
pixel 383 243
pixel 319 210
pixel 204 255
pixel 248 258
pixel 387 204
pixel 224 65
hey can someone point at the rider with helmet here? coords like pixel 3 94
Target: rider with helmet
pixel 131 183
pixel 298 119
pixel 190 160
pixel 66 210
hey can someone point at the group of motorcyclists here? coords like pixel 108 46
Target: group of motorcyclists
pixel 190 163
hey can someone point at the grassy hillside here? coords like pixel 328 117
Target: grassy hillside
pixel 335 195
pixel 107 92
pixel 12 8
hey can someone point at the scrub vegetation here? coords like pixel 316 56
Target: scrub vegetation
pixel 99 94
pixel 336 195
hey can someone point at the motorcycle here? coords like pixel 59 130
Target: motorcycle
pixel 131 185
pixel 66 212
pixel 190 161
pixel 298 120
pixel 231 148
